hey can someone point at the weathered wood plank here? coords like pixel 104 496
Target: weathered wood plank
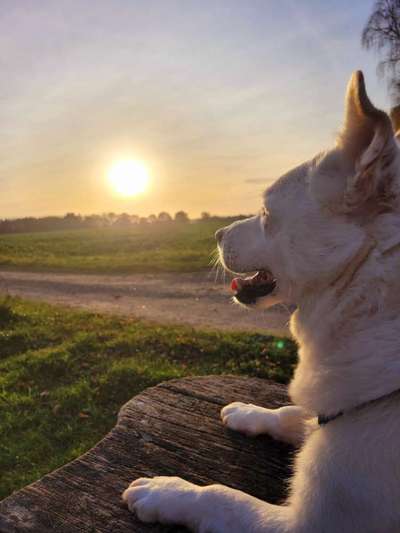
pixel 171 429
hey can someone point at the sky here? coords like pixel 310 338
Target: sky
pixel 217 97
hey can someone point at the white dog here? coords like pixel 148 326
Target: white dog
pixel 327 239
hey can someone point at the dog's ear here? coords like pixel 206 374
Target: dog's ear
pixel 367 141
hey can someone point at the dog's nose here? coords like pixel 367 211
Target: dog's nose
pixel 219 234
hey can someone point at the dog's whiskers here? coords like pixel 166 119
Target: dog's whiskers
pixel 216 266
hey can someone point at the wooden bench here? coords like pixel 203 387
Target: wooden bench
pixel 171 429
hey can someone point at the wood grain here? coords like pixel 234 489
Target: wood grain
pixel 171 429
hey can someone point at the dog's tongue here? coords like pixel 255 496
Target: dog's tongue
pixel 259 277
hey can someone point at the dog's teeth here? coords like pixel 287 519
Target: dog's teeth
pixel 263 275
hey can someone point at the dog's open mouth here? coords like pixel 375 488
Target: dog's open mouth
pixel 247 290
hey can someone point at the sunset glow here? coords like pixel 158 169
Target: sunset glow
pixel 129 177
pixel 203 96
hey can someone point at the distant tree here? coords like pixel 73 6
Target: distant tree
pixel 205 215
pixel 181 216
pixel 382 33
pixel 95 221
pixel 123 220
pixel 72 221
pixel 151 219
pixel 110 218
pixel 164 217
pixel 70 216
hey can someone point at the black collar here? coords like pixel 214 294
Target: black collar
pixel 325 419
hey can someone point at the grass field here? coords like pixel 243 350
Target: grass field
pixel 151 247
pixel 64 375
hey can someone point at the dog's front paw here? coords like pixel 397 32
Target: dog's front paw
pixel 249 419
pixel 169 500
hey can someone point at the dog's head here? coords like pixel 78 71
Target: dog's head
pixel 316 218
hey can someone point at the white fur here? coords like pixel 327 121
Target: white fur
pixel 319 217
pixel 287 423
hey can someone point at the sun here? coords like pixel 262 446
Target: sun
pixel 129 177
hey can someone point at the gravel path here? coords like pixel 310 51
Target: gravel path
pixel 193 299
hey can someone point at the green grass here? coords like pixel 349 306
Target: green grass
pixel 142 248
pixel 64 375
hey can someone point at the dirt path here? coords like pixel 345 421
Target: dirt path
pixel 193 299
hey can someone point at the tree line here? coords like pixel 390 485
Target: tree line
pixel 75 221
